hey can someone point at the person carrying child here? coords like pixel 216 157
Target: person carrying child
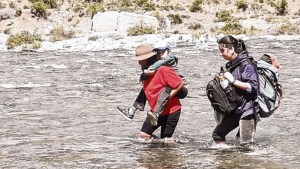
pixel 162 50
pixel 244 79
pixel 153 86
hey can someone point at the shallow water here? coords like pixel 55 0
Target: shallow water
pixel 58 111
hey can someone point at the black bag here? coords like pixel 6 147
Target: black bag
pixel 223 101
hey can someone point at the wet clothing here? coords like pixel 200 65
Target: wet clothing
pixel 154 85
pixel 245 72
pixel 167 123
pixel 171 61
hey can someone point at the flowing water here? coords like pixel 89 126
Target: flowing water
pixel 58 110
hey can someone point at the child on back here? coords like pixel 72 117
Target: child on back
pixel 162 50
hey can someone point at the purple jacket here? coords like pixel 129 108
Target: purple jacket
pixel 246 72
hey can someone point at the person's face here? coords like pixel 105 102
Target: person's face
pixel 143 64
pixel 227 51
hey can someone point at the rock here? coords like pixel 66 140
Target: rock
pixel 105 22
pixel 9 23
pixel 6 13
pixel 127 20
pixel 120 22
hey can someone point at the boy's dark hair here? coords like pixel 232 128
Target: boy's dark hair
pixel 238 44
pixel 267 58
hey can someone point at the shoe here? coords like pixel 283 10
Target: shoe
pixel 125 113
pixel 152 118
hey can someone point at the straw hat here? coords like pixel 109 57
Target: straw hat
pixel 143 52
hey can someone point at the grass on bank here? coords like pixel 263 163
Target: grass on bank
pixel 59 33
pixel 140 29
pixel 24 38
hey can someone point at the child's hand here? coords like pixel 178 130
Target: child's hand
pixel 149 72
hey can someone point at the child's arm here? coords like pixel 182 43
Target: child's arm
pixel 168 61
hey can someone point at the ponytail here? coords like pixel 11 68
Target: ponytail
pixel 240 47
pixel 238 44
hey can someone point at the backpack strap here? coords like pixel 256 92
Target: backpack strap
pixel 240 63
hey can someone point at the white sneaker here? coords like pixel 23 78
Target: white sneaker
pixel 125 113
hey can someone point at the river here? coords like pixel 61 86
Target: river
pixel 58 110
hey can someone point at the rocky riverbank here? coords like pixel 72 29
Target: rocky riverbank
pixel 76 26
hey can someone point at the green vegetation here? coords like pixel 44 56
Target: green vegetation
pixel 94 8
pixel 195 26
pixel 148 6
pixel 223 16
pixel 281 7
pixel 232 27
pixel 18 12
pixel 196 6
pixel 288 29
pixel 49 3
pixel 39 9
pixel 24 38
pixel 2 5
pixel 241 4
pixel 175 18
pixel 12 5
pixel 140 29
pixel 59 33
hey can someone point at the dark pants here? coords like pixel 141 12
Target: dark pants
pixel 229 123
pixel 161 101
pixel 167 123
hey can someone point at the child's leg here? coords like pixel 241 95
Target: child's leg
pixel 164 97
pixel 162 100
pixel 140 101
pixel 161 103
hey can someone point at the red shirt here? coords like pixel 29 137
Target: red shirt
pixel 154 85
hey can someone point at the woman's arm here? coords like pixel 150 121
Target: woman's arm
pixel 176 90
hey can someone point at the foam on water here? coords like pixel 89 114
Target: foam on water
pixel 27 85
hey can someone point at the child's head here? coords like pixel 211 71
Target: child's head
pixel 271 59
pixel 230 46
pixel 161 47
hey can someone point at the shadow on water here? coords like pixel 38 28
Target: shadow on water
pixel 161 156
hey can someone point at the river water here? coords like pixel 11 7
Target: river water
pixel 58 110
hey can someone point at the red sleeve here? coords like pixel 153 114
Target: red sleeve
pixel 170 77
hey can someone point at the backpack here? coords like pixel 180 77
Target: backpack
pixel 270 91
pixel 223 101
pixel 269 94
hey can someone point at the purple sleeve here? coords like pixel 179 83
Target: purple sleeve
pixel 249 75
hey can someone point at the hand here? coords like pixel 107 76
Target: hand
pixel 229 77
pixel 149 72
pixel 224 83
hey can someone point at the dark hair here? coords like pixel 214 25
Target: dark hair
pixel 150 61
pixel 238 44
pixel 266 58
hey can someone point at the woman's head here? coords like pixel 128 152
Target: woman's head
pixel 230 47
pixel 145 55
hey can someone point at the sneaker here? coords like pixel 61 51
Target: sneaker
pixel 125 113
pixel 152 118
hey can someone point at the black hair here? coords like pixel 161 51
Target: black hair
pixel 238 44
pixel 266 58
pixel 150 61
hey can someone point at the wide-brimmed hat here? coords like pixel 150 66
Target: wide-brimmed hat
pixel 143 52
